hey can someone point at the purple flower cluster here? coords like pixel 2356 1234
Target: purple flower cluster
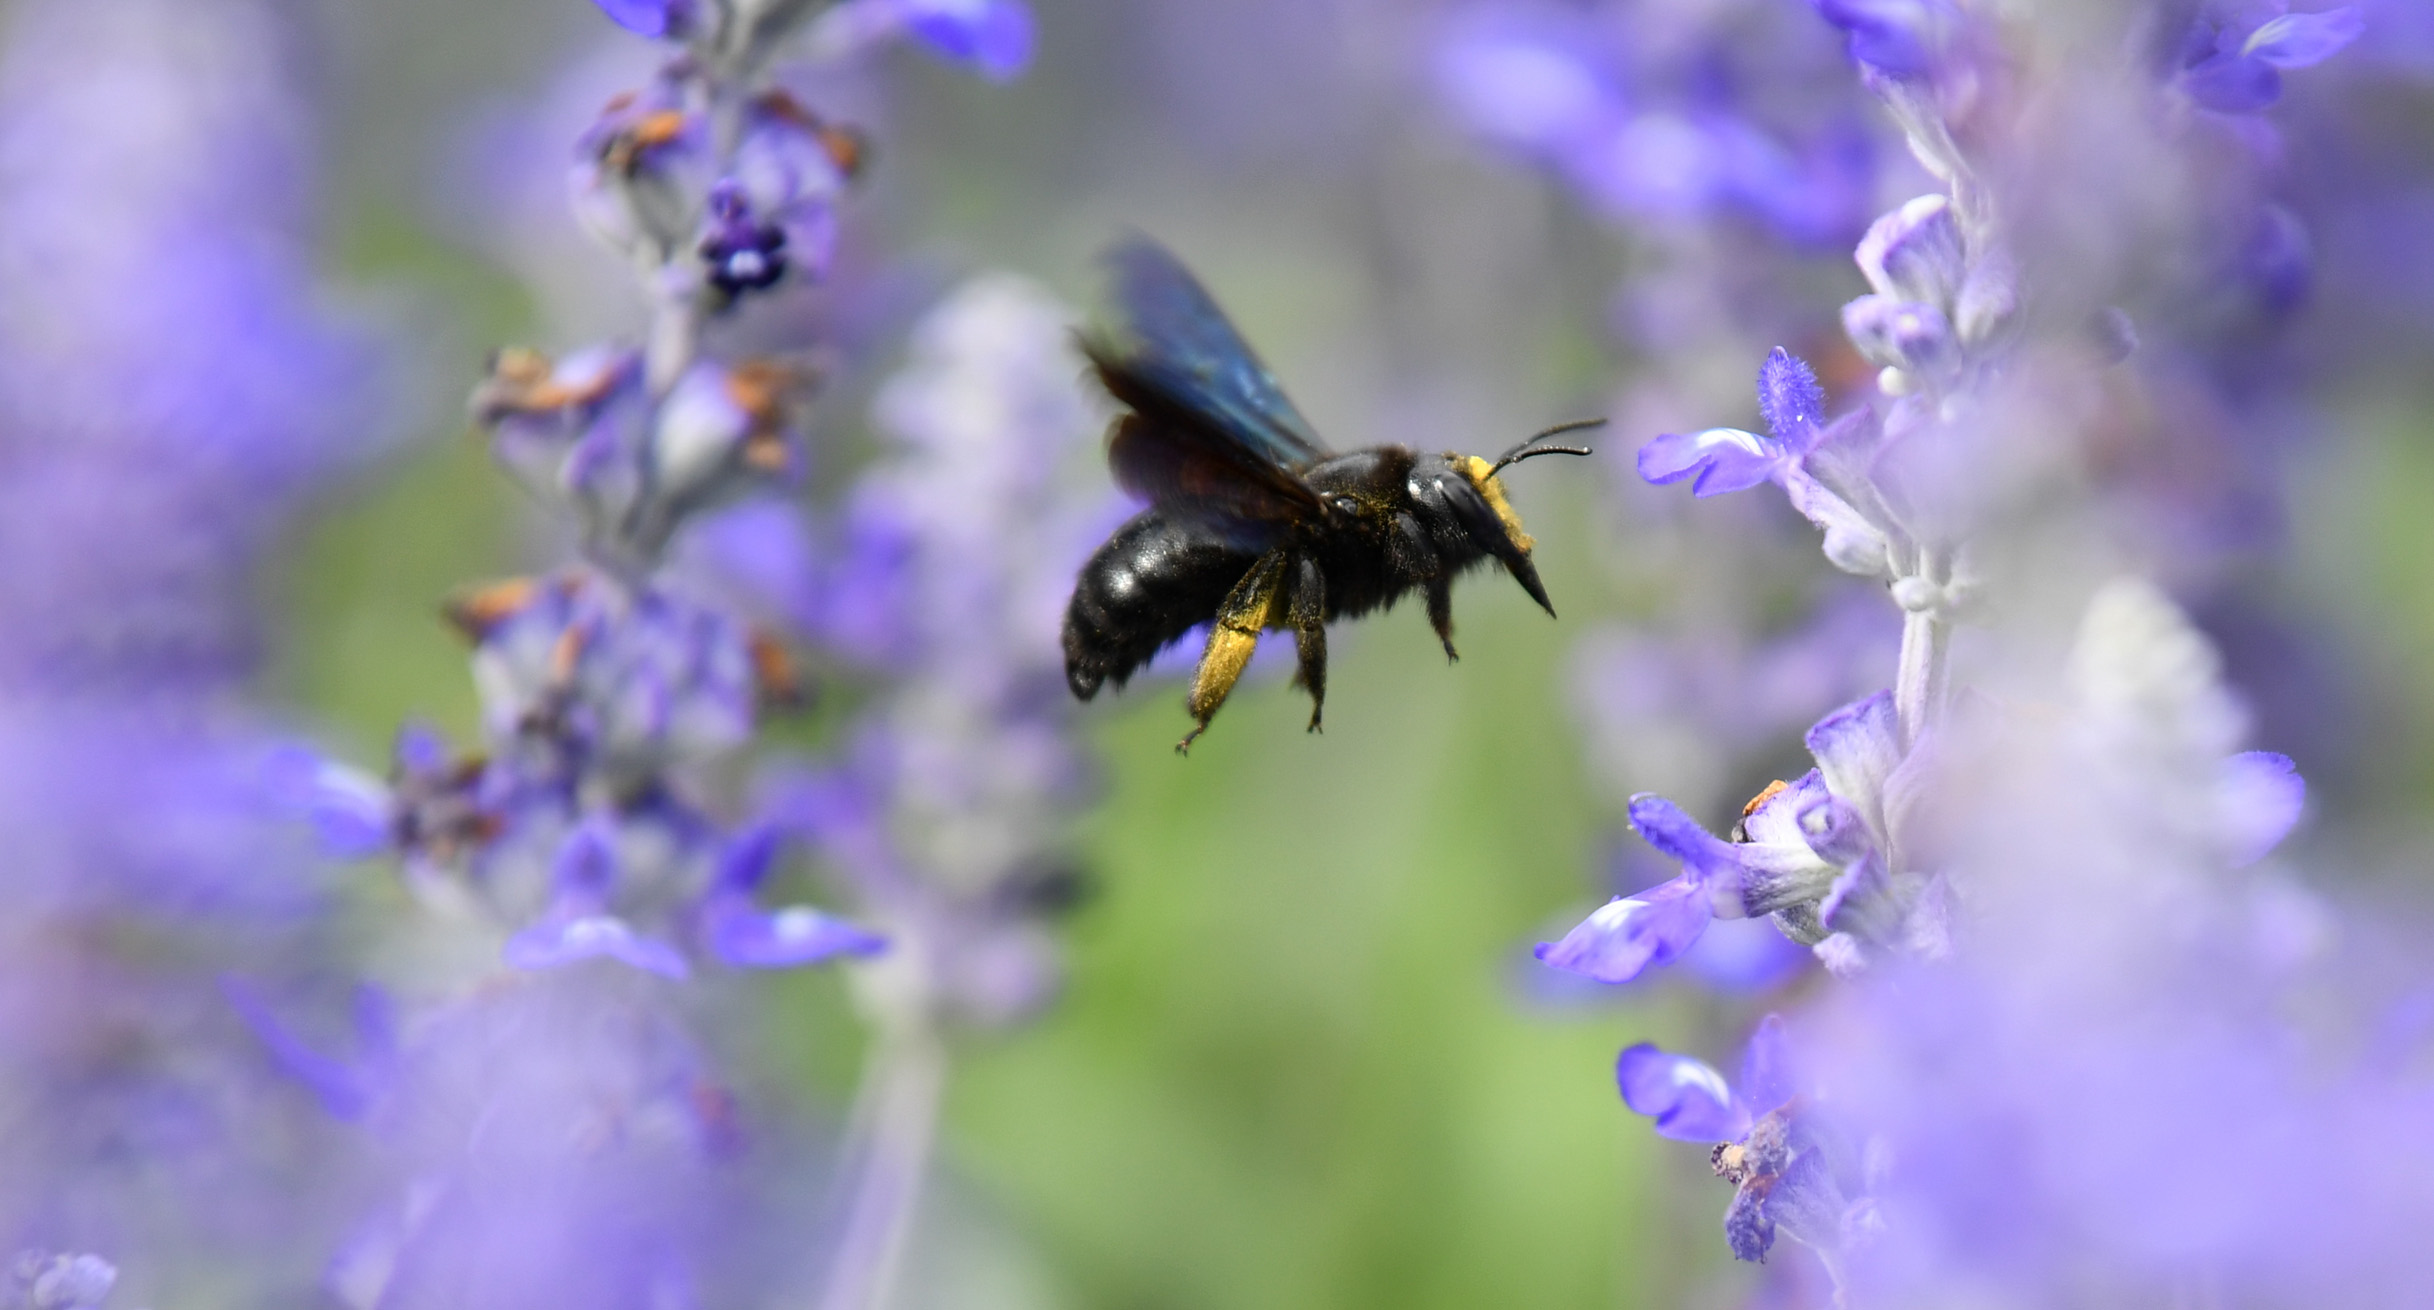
pixel 2047 892
pixel 551 1129
pixel 1669 115
pixel 175 385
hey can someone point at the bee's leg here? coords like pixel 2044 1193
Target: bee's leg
pixel 1441 614
pixel 1232 638
pixel 1308 614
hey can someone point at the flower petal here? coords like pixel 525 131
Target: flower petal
pixel 2298 40
pixel 2262 796
pixel 565 940
pixel 1689 1100
pixel 652 18
pixel 2233 84
pixel 1767 1080
pixel 993 37
pixel 1774 819
pixel 1857 747
pixel 1914 253
pixel 1852 543
pixel 742 933
pixel 1627 935
pixel 1720 460
pixel 345 1090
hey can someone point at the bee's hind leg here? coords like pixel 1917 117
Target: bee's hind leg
pixel 1235 634
pixel 1308 615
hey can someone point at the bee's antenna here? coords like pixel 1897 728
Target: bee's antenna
pixel 1529 447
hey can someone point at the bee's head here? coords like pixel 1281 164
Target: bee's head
pixel 1466 489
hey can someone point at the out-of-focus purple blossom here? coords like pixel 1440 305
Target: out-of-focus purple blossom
pixel 347 1088
pixel 740 932
pixel 2233 57
pixel 173 385
pixel 578 925
pixel 992 37
pixel 41 1280
pixel 653 18
pixel 584 432
pixel 745 252
pixel 957 555
pixel 1640 141
pixel 1900 38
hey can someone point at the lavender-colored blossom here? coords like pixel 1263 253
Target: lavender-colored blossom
pixel 992 37
pixel 174 387
pixel 655 18
pixel 2232 63
pixel 740 932
pixel 1665 139
pixel 1785 1163
pixel 38 1280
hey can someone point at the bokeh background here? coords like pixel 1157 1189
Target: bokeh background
pixel 1302 1057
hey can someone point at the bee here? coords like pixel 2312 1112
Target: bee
pixel 1252 523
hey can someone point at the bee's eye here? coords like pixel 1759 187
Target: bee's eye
pixel 1346 505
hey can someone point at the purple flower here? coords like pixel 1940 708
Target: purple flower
pixel 992 37
pixel 1526 86
pixel 41 1280
pixel 741 933
pixel 1677 136
pixel 1806 852
pixel 1628 935
pixel 1729 459
pixel 1691 1101
pixel 2262 797
pixel 1900 38
pixel 744 251
pixel 651 18
pixel 347 1090
pixel 351 811
pixel 2233 67
pixel 643 172
pixel 578 924
pixel 1771 1148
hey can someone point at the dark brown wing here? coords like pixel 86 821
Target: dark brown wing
pixel 1173 457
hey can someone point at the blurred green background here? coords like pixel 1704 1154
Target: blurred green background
pixel 1294 1065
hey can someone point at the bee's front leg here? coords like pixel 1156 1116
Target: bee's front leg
pixel 1441 614
pixel 1308 615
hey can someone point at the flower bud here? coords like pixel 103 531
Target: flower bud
pixel 1915 253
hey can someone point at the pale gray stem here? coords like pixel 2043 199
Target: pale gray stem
pixel 1920 685
pixel 895 1122
pixel 675 338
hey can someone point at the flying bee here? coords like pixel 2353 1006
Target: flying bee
pixel 1252 523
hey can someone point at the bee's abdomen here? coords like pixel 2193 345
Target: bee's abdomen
pixel 1151 582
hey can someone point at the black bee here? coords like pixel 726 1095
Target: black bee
pixel 1252 523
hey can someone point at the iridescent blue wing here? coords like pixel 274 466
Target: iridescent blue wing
pixel 1174 353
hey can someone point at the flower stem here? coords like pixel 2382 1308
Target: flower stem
pixel 895 1121
pixel 1920 685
